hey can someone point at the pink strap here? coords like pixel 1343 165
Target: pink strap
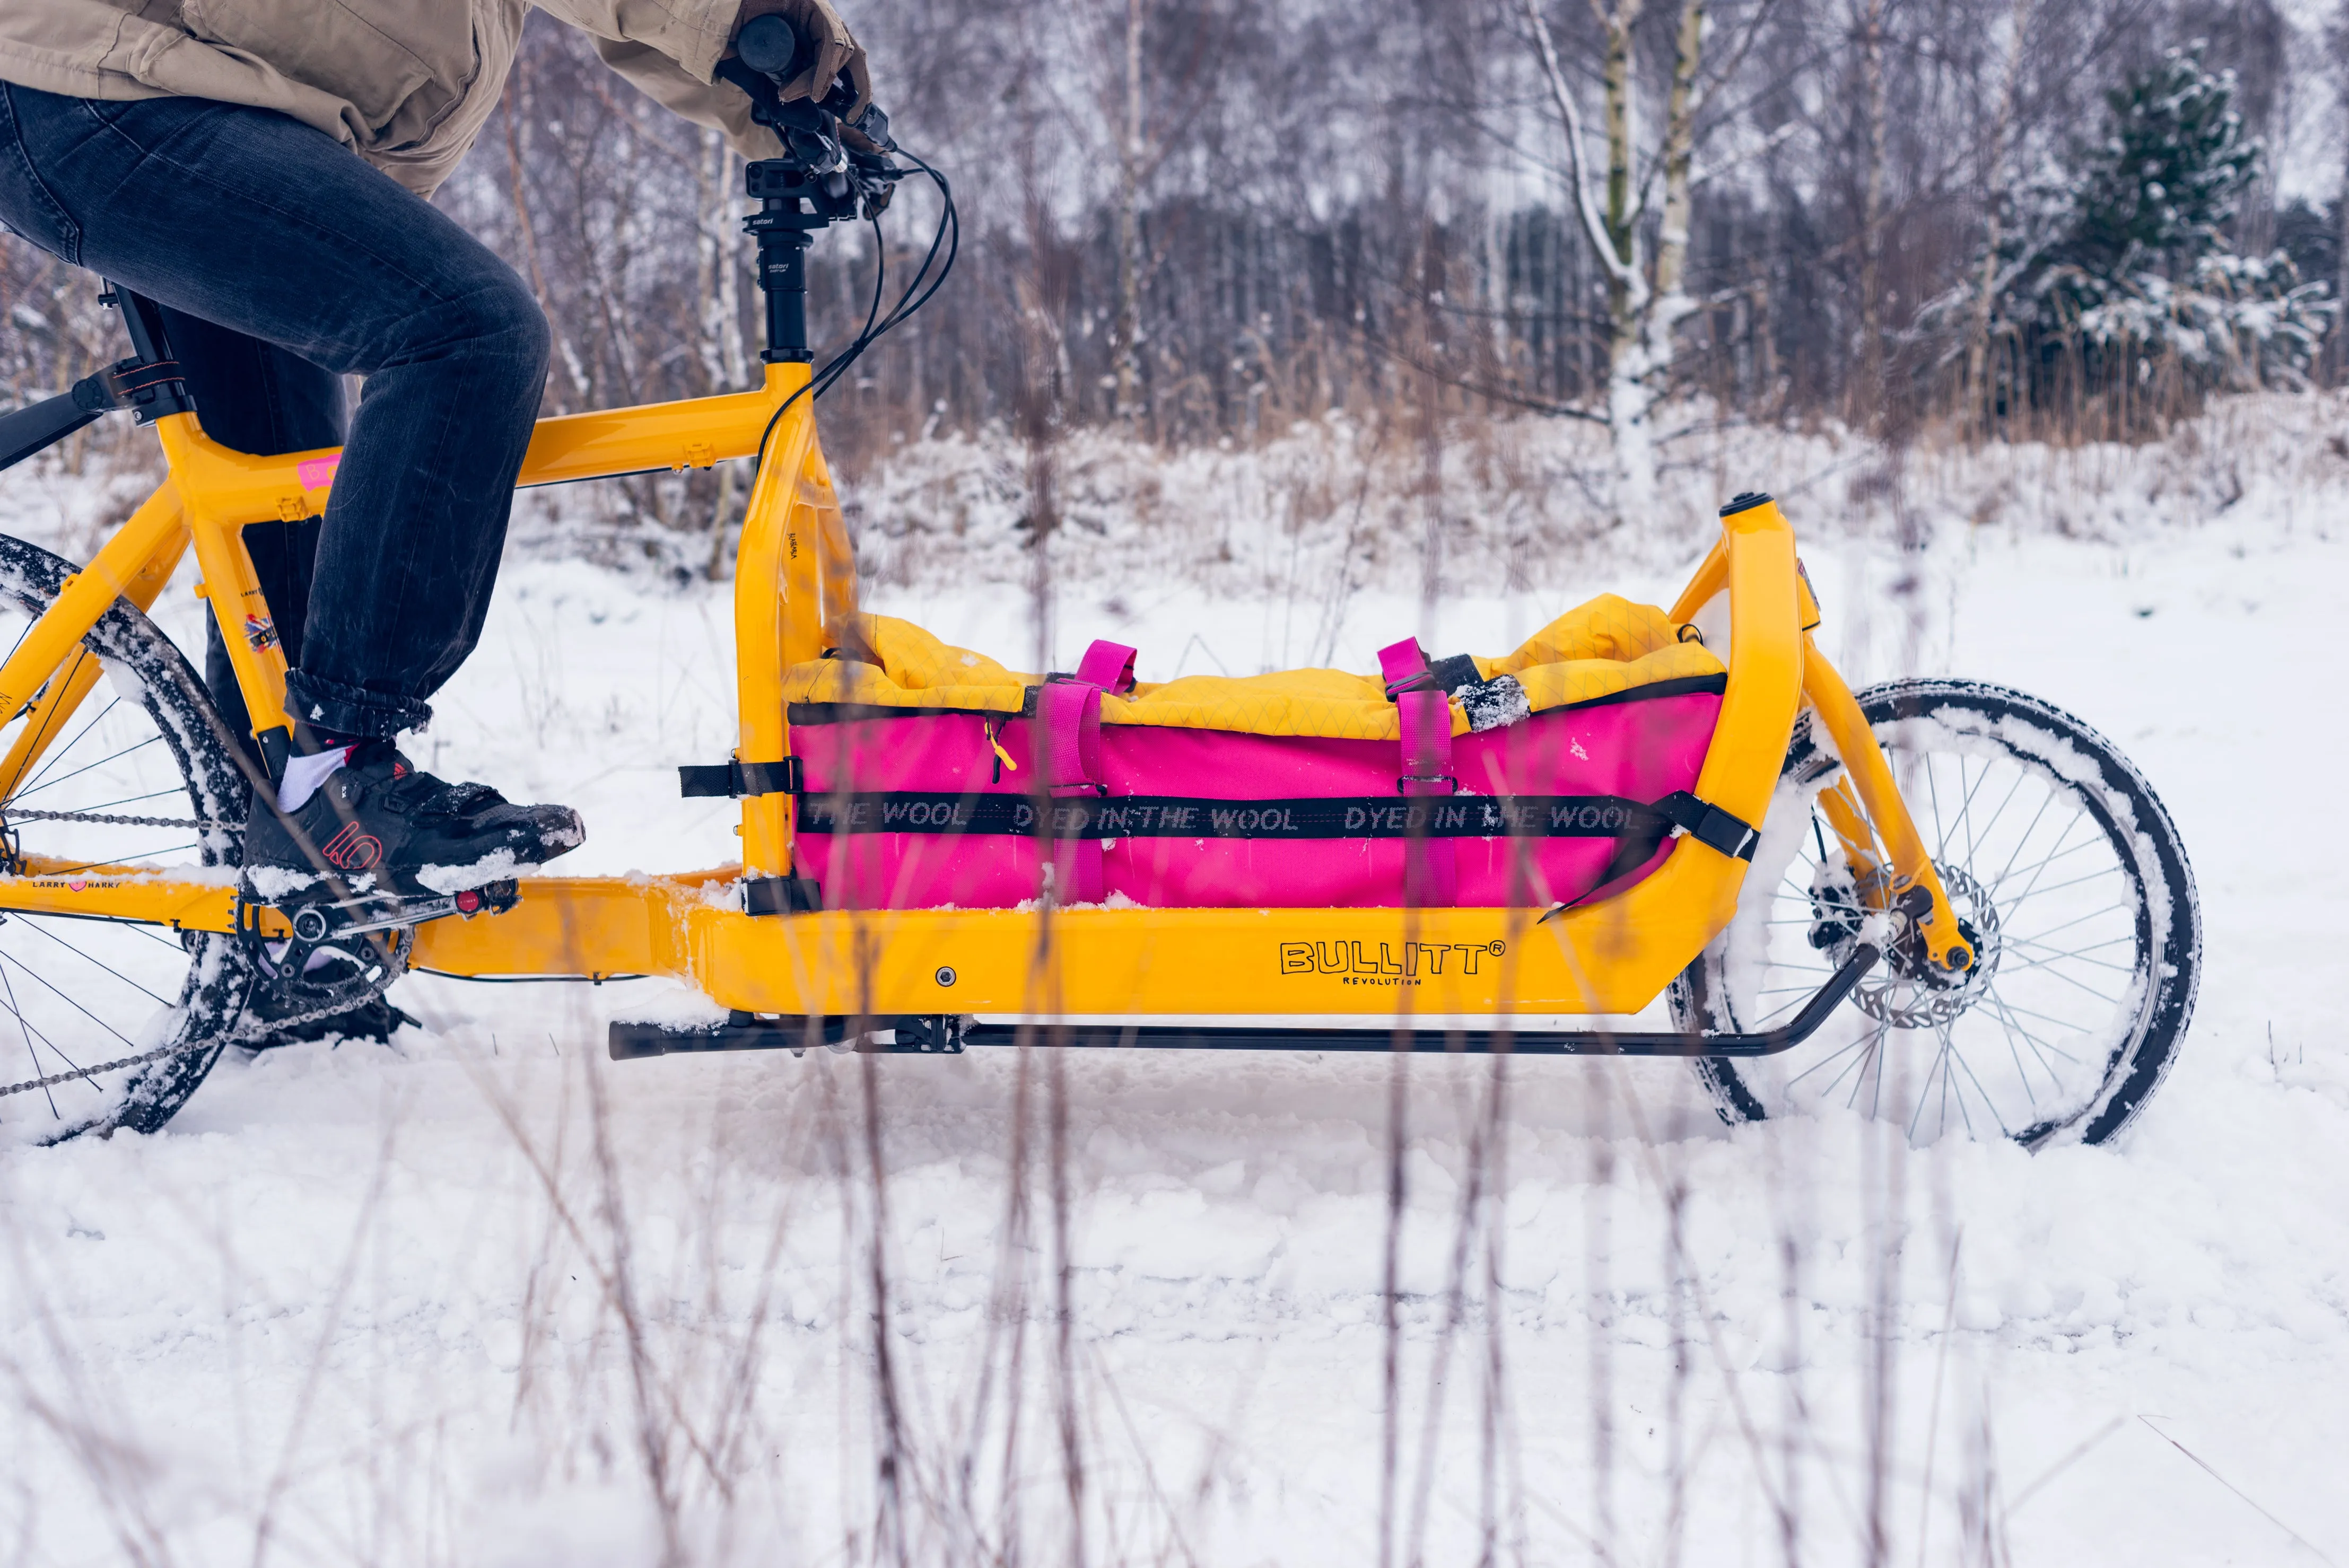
pixel 1426 717
pixel 1401 663
pixel 1431 866
pixel 1068 714
pixel 1109 665
pixel 1067 723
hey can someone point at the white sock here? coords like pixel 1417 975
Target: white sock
pixel 305 774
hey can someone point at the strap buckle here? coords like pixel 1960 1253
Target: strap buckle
pixel 782 895
pixel 1452 785
pixel 1708 824
pixel 1424 680
pixel 1446 676
pixel 734 779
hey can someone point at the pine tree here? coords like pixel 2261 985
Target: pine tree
pixel 2121 262
pixel 2156 194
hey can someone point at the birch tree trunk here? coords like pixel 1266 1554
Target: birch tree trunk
pixel 1130 155
pixel 1870 392
pixel 1646 302
pixel 1977 388
pixel 1628 295
pixel 1669 305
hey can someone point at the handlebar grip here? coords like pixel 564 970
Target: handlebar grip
pixel 774 47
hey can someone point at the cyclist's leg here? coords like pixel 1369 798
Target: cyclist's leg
pixel 256 397
pixel 259 223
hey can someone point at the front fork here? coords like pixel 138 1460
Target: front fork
pixel 1867 795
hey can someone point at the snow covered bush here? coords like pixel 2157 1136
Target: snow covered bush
pixel 2115 276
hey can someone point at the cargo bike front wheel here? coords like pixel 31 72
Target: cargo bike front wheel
pixel 2069 880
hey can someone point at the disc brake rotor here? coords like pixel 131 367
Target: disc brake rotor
pixel 1910 992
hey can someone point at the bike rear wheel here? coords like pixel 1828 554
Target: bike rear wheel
pixel 2067 876
pixel 111 1023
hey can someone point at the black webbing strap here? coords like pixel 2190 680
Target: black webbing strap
pixel 1447 676
pixel 1710 825
pixel 1188 817
pixel 737 778
pixel 782 895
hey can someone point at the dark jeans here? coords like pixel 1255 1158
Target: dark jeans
pixel 286 261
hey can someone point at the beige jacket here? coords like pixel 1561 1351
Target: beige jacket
pixel 406 84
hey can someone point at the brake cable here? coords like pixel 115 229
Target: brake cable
pixel 948 233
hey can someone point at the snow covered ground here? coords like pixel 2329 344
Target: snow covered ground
pixel 487 1298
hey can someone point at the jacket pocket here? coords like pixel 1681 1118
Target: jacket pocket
pixel 402 63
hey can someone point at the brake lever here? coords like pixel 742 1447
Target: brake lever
pixel 873 127
pixel 765 98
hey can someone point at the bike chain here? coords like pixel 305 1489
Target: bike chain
pixel 236 1036
pixel 13 815
pixel 232 1036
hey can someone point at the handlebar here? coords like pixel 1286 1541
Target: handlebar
pixel 830 172
pixel 844 166
pixel 768 53
pixel 771 46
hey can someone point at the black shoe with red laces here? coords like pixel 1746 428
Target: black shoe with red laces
pixel 376 825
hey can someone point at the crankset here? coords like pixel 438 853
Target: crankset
pixel 342 952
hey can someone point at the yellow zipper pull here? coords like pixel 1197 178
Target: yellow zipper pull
pixel 1002 757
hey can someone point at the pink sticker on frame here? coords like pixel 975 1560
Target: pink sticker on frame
pixel 318 473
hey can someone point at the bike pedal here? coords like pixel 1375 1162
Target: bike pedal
pixel 325 918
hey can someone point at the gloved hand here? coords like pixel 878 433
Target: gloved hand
pixel 837 50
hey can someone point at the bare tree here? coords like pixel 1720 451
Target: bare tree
pixel 1647 296
pixel 1994 174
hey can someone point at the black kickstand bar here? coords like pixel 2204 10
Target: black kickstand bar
pixel 1520 1042
pixel 633 1040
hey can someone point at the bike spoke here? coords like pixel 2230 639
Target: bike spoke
pixel 2039 1048
pixel 2079 881
pixel 2064 1024
pixel 2037 936
pixel 2039 868
pixel 1780 1011
pixel 24 1027
pixel 2029 828
pixel 2021 775
pixel 88 726
pixel 1827 1062
pixel 1934 797
pixel 35 976
pixel 1875 1072
pixel 1988 1105
pixel 133 799
pixel 1934 1074
pixel 31 924
pixel 2055 956
pixel 2043 967
pixel 1966 807
pixel 93 865
pixel 62 778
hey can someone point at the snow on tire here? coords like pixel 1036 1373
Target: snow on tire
pixel 142 773
pixel 2065 871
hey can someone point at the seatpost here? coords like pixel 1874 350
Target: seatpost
pixel 784 229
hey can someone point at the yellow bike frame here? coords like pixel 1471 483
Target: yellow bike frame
pixel 794 576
